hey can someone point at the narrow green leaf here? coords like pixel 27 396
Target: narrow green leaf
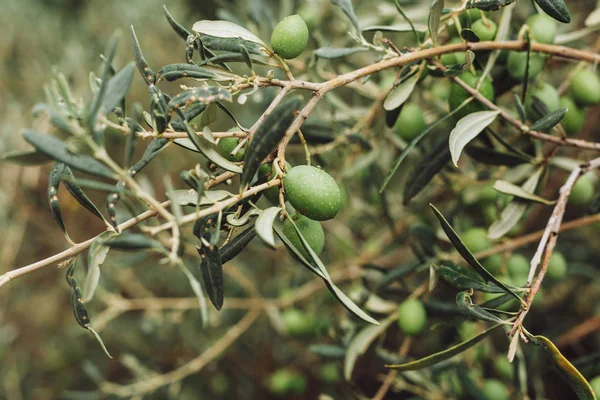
pixel 226 29
pixel 175 71
pixel 443 355
pixel 467 255
pixel 517 191
pixel 426 169
pixel 267 136
pixel 520 108
pixel 569 373
pixel 422 28
pixel 177 27
pixel 190 197
pixel 96 256
pixel 296 254
pixel 212 273
pixel 57 150
pixel 133 242
pixel 204 94
pixel 549 121
pixel 348 9
pixel 117 88
pixel 210 151
pixel 467 129
pixel 399 94
pixel 54 177
pixel 237 244
pixel 71 184
pixel 489 156
pixel 433 22
pixel 466 306
pixel 557 9
pixel 233 45
pixel 469 35
pixel 197 289
pixel 264 225
pixel 159 109
pixel 25 158
pixel 463 278
pixel 332 53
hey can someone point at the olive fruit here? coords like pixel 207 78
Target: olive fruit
pixel 494 390
pixel 410 122
pixel 583 191
pixel 412 317
pixel 312 192
pixel 485 29
pixel 286 381
pixel 547 94
pixel 458 95
pixel 574 119
pixel 297 323
pixel 595 384
pixel 227 145
pixel 518 267
pixel 542 27
pixel 557 266
pixel 458 57
pixel 311 231
pixel 517 64
pixel 290 37
pixel 476 240
pixel 493 263
pixel 585 87
pixel 329 373
pixel 503 368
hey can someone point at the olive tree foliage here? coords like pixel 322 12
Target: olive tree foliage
pixel 490 125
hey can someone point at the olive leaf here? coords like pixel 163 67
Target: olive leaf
pixel 399 94
pixel 237 244
pixel 517 191
pixel 204 94
pixel 332 53
pixel 396 28
pixel 433 22
pixel 463 278
pixel 426 169
pixel 133 242
pixel 54 177
pixel 226 29
pixel 467 129
pixel 117 88
pixel 348 9
pixel 197 289
pixel 467 255
pixel 466 306
pixel 177 27
pixel 146 72
pixel 212 272
pixel 96 256
pixel 296 253
pixel 569 373
pixel 267 136
pixel 190 197
pixel 57 150
pixel 557 9
pixel 264 225
pixel 443 355
pixel 25 158
pixel 549 121
pixel 489 156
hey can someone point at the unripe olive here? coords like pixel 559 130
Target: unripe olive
pixel 458 95
pixel 476 240
pixel 518 267
pixel 440 90
pixel 412 317
pixel 574 119
pixel 595 384
pixel 494 390
pixel 312 192
pixel 311 231
pixel 297 323
pixel 583 191
pixel 542 27
pixel 517 64
pixel 557 266
pixel 219 384
pixel 290 37
pixel 410 122
pixel 547 94
pixel 493 263
pixel 329 373
pixel 469 16
pixel 286 381
pixel 503 368
pixel 226 146
pixel 585 87
pixel 485 30
pixel 453 58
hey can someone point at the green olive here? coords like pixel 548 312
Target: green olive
pixel 485 30
pixel 311 231
pixel 312 192
pixel 585 88
pixel 503 368
pixel 546 93
pixel 453 58
pixel 330 373
pixel 412 317
pixel 542 27
pixel 290 37
pixel 297 323
pixel 227 145
pixel 494 390
pixel 410 122
pixel 595 384
pixel 458 95
pixel 517 64
pixel 286 381
pixel 493 263
pixel 557 266
pixel 476 240
pixel 574 119
pixel 219 384
pixel 518 267
pixel 583 191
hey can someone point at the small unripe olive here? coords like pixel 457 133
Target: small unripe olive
pixel 227 145
pixel 297 323
pixel 286 381
pixel 494 390
pixel 311 231
pixel 517 64
pixel 330 373
pixel 410 122
pixel 476 240
pixel 412 317
pixel 585 87
pixel 503 367
pixel 557 266
pixel 485 30
pixel 518 267
pixel 493 263
pixel 458 95
pixel 542 27
pixel 312 192
pixel 574 119
pixel 595 384
pixel 583 191
pixel 547 94
pixel 453 58
pixel 290 37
